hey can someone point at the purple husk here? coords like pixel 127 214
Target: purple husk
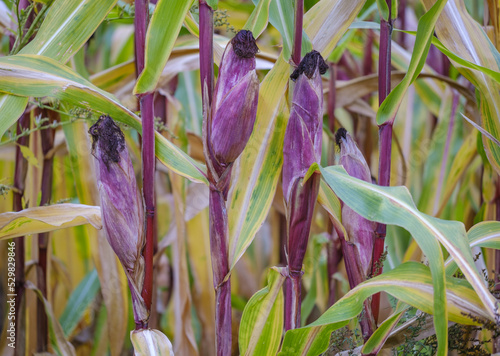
pixel 121 207
pixel 302 148
pixel 235 101
pixel 358 249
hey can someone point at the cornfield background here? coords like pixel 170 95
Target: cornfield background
pixel 65 63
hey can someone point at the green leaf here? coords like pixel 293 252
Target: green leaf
pixel 67 27
pixel 257 22
pixel 410 282
pixel 484 234
pixel 11 108
pixel 493 74
pixel 38 76
pixel 394 206
pixel 213 4
pixel 261 324
pixel 281 16
pixel 425 30
pixel 378 338
pixel 163 30
pixel 465 37
pixel 383 9
pixel 78 301
pixel 331 203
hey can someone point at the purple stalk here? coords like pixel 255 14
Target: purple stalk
pixel 220 266
pixel 297 39
pixel 228 118
pixel 148 151
pixel 385 139
pixel 217 203
pixel 47 136
pixel 206 14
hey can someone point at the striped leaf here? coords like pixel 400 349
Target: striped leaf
pixel 463 36
pixel 257 22
pixel 485 234
pixel 388 109
pixel 18 76
pixel 262 320
pixel 163 30
pixel 394 206
pixel 410 282
pixel 67 27
pixel 48 218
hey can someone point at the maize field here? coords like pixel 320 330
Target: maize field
pixel 249 177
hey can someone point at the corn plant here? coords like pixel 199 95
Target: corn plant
pixel 265 177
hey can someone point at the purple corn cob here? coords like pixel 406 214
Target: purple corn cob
pixel 226 133
pixel 235 102
pixel 302 147
pixel 359 230
pixel 121 206
pixel 358 249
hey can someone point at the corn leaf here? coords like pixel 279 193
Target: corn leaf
pixel 463 36
pixel 20 77
pixel 388 109
pixel 48 218
pixel 394 206
pixel 410 282
pixel 151 342
pixel 163 30
pixel 78 301
pixel 66 28
pixel 61 346
pixel 257 22
pixel 262 320
pixel 378 338
pixel 485 234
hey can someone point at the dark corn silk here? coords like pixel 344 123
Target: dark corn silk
pixel 359 230
pixel 234 106
pixel 121 205
pixel 302 148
